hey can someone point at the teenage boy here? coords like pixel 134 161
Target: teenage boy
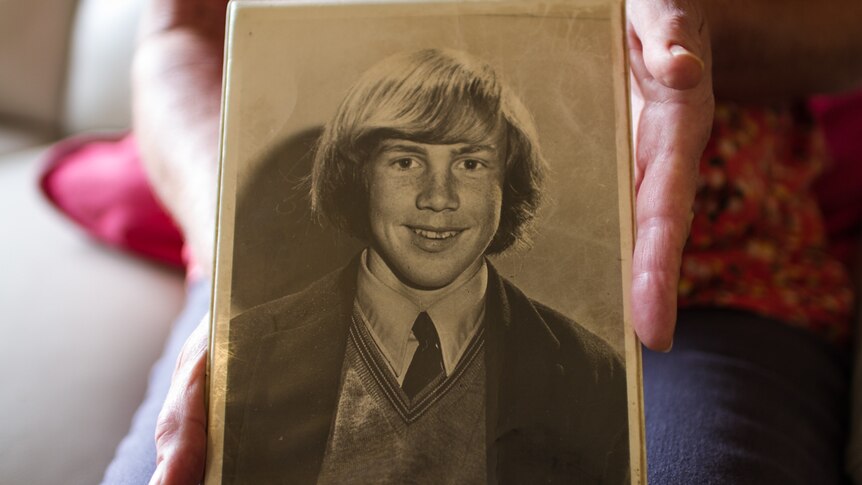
pixel 418 362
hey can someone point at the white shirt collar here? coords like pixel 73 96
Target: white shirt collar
pixel 389 308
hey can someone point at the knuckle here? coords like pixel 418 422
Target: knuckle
pixel 678 27
pixel 166 426
pixel 684 23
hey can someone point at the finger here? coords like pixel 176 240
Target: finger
pixel 672 126
pixel 181 427
pixel 670 138
pixel 663 214
pixel 671 35
pixel 205 17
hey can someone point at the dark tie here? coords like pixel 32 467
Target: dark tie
pixel 427 363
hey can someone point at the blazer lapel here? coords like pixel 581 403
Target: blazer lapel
pixel 293 387
pixel 521 365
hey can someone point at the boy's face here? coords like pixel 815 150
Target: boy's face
pixel 433 208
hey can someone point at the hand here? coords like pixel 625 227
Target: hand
pixel 202 18
pixel 182 426
pixel 176 88
pixel 177 94
pixel 672 104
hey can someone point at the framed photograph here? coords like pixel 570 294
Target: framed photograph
pixel 424 246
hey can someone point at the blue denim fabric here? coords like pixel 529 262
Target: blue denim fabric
pixel 135 459
pixel 745 400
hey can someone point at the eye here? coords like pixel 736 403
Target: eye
pixel 405 163
pixel 471 164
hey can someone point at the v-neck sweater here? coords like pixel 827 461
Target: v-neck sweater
pixel 380 436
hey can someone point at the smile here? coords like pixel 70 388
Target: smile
pixel 429 234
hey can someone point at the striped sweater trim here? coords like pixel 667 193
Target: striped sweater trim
pixel 409 410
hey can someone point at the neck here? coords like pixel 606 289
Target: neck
pixel 423 298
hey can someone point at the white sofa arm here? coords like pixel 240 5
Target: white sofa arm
pixel 81 324
pixel 97 95
pixel 33 47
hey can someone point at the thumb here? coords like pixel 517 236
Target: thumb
pixel 674 41
pixel 181 427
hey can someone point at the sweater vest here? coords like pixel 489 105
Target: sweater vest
pixel 378 435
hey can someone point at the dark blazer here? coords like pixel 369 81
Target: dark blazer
pixel 556 393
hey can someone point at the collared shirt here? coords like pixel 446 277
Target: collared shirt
pixel 389 308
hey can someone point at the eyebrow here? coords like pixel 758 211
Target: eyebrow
pixel 410 148
pixel 401 147
pixel 467 149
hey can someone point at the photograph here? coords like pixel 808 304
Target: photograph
pixel 424 242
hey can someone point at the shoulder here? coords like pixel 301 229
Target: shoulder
pixel 587 407
pixel 579 348
pixel 320 301
pixel 283 366
pixel 577 339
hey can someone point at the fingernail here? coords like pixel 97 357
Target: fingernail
pixel 677 50
pixel 669 347
pixel 156 479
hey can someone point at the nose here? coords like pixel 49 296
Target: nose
pixel 438 192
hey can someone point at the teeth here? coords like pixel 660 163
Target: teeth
pixel 435 234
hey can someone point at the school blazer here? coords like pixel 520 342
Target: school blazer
pixel 555 393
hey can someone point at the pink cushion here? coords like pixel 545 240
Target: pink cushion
pixel 99 183
pixel 839 190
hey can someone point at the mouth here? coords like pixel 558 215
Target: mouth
pixel 436 234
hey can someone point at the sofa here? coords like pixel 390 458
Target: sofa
pixel 81 322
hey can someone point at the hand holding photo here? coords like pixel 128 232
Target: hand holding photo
pixel 404 347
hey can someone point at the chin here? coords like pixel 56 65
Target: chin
pixel 436 278
pixel 427 280
pixel 426 283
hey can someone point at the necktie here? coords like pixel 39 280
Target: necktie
pixel 427 362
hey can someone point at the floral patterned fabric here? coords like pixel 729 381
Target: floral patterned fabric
pixel 758 240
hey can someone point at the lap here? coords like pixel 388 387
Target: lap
pixel 743 399
pixel 135 459
pixel 740 399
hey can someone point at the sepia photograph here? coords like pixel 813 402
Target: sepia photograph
pixel 424 233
